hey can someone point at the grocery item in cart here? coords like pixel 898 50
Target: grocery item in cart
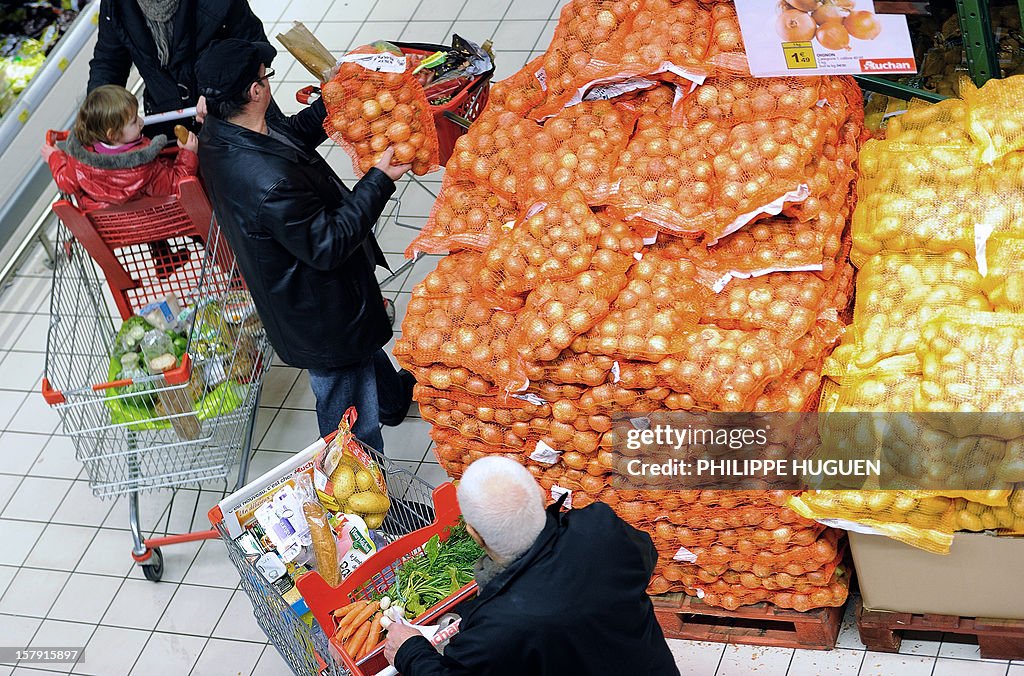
pixel 375 102
pixel 348 480
pixel 307 50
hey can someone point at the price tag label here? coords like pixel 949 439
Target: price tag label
pixel 799 55
pixel 783 39
pixel 382 62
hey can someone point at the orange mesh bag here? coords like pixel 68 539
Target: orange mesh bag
pixel 460 331
pixel 653 106
pixel 502 408
pixel 556 312
pixel 992 118
pixel 832 596
pixel 659 301
pixel 799 392
pixel 666 37
pixel 490 153
pixel 554 240
pixel 1004 282
pixel 518 93
pixel 375 102
pixel 744 99
pixel 896 295
pixel 720 368
pixel 466 215
pixel 460 379
pixel 831 177
pixel 577 149
pixel 571 368
pixel 587 36
pixel 726 52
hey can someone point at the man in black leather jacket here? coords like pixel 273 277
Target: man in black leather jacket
pixel 304 241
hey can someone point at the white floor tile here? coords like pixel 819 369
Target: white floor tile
pixel 194 610
pixel 109 554
pixel 439 10
pixel 890 664
pixel 19 451
pixel 1016 670
pixel 80 507
pixel 25 294
pixel 139 604
pixel 35 415
pixel 10 402
pixel 696 658
pixel 350 10
pixel 7 574
pixel 744 659
pixel 33 338
pixel 301 396
pixel 292 431
pixel 393 11
pixel 520 35
pixel 307 11
pixel 271 663
pixel 268 11
pixel 532 9
pixel 337 35
pixel 22 370
pixel 371 31
pixel 11 327
pixel 85 598
pixel 18 630
pixel 36 499
pixel 32 592
pixel 838 662
pixel 488 10
pixel 8 485
pixel 849 637
pixel 918 643
pixel 427 31
pixel 212 567
pixel 238 622
pixel 66 634
pixel 227 658
pixel 61 547
pixel 945 666
pixel 18 537
pixel 57 459
pixel 169 654
pixel 276 385
pixel 112 651
pixel 408 441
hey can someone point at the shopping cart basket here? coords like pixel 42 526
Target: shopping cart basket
pixel 187 425
pixel 305 647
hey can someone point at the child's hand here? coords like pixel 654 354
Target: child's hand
pixel 46 151
pixel 192 144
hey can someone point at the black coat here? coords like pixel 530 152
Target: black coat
pixel 575 603
pixel 125 39
pixel 303 240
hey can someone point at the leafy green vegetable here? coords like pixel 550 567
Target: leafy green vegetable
pixel 442 569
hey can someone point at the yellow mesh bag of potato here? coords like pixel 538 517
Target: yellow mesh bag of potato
pixel 1003 283
pixel 943 123
pixel 994 116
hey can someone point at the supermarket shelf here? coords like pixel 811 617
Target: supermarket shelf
pixel 881 85
pixel 979 42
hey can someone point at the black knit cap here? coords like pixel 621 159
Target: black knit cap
pixel 228 67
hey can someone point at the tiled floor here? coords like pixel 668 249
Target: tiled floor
pixel 66 577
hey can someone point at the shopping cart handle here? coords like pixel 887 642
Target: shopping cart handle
pixel 54 135
pixel 307 95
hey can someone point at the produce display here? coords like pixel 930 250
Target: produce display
pixel 936 342
pixel 636 224
pixel 28 30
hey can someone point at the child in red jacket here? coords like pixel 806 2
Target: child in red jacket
pixel 106 161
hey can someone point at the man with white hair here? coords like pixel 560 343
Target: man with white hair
pixel 560 593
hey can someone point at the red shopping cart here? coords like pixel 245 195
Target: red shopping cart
pixel 186 425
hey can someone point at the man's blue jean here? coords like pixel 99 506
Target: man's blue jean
pixel 373 387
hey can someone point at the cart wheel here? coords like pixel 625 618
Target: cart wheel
pixel 154 571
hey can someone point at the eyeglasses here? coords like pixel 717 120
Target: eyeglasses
pixel 266 76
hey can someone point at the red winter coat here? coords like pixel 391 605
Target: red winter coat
pixel 97 180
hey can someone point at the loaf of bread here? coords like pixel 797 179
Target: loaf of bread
pixel 324 545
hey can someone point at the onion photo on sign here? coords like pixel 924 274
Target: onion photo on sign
pixel 831 22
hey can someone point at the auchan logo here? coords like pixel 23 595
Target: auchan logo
pixel 888 66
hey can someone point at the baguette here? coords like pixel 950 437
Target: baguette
pixel 324 545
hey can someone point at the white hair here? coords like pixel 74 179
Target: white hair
pixel 503 503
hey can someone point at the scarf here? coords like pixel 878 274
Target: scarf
pixel 158 15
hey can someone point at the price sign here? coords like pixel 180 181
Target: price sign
pixel 801 37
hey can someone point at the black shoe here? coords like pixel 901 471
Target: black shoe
pixel 408 382
pixel 389 308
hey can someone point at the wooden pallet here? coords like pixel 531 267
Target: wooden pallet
pixel 998 639
pixel 686 617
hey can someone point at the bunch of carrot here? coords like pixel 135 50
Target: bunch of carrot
pixel 359 629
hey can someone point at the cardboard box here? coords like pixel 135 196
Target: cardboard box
pixel 980 577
